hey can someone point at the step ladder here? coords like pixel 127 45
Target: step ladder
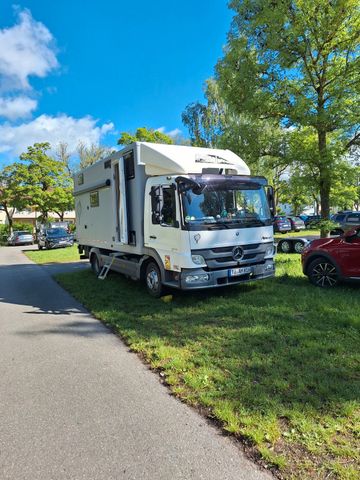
pixel 105 268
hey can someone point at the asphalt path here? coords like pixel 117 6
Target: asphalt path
pixel 76 404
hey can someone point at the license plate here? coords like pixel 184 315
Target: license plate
pixel 234 272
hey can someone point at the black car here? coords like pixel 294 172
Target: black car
pixel 55 238
pixel 312 221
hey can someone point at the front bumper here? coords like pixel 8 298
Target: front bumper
pixel 221 278
pixel 60 244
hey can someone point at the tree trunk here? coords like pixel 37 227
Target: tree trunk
pixel 9 217
pixel 324 181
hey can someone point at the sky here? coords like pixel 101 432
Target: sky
pixel 85 70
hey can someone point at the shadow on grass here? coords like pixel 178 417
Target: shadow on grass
pixel 268 346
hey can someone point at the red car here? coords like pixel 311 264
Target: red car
pixel 328 260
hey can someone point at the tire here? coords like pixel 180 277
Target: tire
pixel 285 246
pixel 323 273
pixel 95 264
pixel 40 246
pixel 153 280
pixel 298 246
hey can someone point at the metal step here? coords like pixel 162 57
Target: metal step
pixel 105 268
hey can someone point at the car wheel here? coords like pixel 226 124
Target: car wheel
pixel 40 246
pixel 285 246
pixel 323 273
pixel 153 280
pixel 95 264
pixel 299 246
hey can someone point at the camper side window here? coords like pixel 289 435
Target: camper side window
pixel 163 206
pixel 168 211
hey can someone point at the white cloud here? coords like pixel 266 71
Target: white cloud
pixel 26 49
pixel 15 139
pixel 18 107
pixel 171 133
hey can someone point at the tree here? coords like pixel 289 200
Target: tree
pixel 144 134
pixel 262 144
pixel 44 181
pixel 297 61
pixel 11 193
pixel 91 154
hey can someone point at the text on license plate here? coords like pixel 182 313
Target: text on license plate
pixel 234 272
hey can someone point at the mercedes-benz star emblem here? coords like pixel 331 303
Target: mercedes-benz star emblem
pixel 237 253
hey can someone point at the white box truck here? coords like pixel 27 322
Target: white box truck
pixel 175 216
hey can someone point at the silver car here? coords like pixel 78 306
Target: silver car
pixel 20 238
pixel 345 221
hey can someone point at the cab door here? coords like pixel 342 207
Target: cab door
pixel 163 231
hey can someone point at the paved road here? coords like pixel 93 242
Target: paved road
pixel 76 404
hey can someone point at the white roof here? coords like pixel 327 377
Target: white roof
pixel 162 159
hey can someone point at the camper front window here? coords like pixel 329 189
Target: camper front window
pixel 225 206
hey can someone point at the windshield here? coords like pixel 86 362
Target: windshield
pixel 226 207
pixel 56 232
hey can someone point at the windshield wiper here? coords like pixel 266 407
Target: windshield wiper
pixel 225 224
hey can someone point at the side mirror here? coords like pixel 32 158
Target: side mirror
pixel 350 234
pixel 271 200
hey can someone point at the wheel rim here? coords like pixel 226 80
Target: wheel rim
pixel 285 247
pixel 324 274
pixel 299 247
pixel 152 280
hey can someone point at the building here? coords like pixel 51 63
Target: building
pixel 30 217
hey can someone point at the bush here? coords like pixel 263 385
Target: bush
pixel 5 230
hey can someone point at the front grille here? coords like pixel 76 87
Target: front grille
pixel 221 257
pixel 252 246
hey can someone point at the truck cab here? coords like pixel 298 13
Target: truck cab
pixel 209 230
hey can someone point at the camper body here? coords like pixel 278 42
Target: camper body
pixel 176 216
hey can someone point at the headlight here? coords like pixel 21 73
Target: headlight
pixel 198 259
pixel 270 251
pixel 202 277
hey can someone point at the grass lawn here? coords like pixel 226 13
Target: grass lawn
pixel 58 255
pixel 302 233
pixel 276 363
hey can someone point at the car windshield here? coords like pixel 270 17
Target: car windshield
pixel 224 205
pixel 56 232
pixel 22 233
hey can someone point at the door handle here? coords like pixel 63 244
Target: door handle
pixel 153 236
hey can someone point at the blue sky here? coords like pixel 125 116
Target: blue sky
pixel 86 70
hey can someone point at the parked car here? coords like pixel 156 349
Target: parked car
pixel 54 238
pixel 281 224
pixel 345 221
pixel 296 223
pixel 326 261
pixel 312 221
pixel 20 237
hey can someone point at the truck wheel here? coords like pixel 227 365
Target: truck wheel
pixel 153 280
pixel 323 273
pixel 285 246
pixel 298 246
pixel 95 265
